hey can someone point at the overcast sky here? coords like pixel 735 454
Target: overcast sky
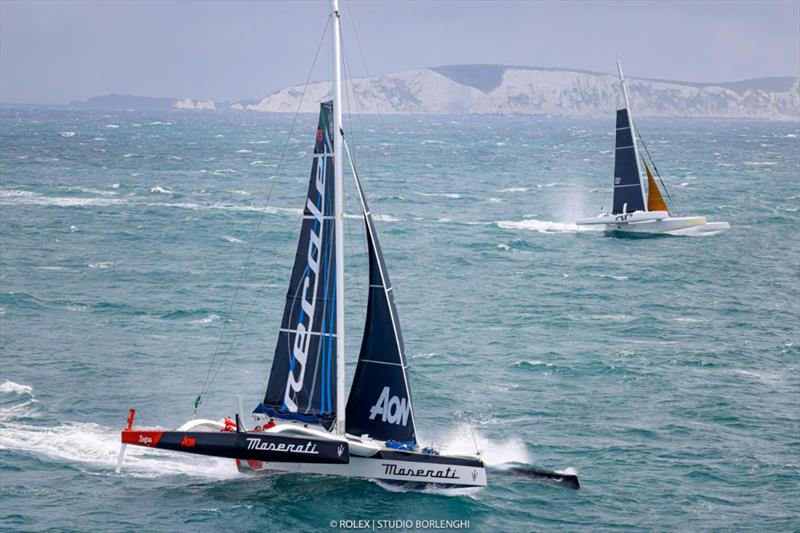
pixel 55 52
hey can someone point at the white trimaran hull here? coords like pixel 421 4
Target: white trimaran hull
pixel 656 223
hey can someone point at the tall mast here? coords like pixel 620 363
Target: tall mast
pixel 339 213
pixel 633 130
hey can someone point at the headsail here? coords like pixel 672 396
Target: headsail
pixel 302 382
pixel 627 181
pixel 655 202
pixel 380 400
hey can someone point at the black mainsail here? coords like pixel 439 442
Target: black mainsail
pixel 379 404
pixel 302 382
pixel 628 194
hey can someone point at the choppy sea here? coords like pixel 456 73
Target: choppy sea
pixel 664 371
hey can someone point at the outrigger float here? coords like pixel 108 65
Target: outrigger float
pixel 304 424
pixel 631 212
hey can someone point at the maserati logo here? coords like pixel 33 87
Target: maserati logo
pixel 474 475
pixel 340 450
pixel 265 446
pixel 188 442
pixel 391 469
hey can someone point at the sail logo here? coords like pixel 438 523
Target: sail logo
pixel 308 302
pixel 391 409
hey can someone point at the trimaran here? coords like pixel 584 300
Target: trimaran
pixel 631 211
pixel 302 428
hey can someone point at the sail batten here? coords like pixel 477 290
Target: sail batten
pixel 301 384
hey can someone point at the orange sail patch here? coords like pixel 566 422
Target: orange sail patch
pixel 655 202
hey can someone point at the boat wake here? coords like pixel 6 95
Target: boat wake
pixel 543 226
pixel 24 432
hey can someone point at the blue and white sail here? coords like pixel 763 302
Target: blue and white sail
pixel 302 382
pixel 379 404
pixel 628 192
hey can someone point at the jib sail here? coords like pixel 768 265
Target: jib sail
pixel 302 382
pixel 380 400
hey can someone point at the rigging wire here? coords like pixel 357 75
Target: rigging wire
pixel 652 162
pixel 210 378
pixel 361 122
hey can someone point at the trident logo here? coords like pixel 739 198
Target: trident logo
pixel 340 450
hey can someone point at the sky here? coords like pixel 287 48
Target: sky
pixel 55 52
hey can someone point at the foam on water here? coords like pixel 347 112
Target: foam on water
pixel 543 226
pixel 463 439
pixel 91 445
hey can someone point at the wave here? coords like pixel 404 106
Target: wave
pixel 542 226
pixel 205 320
pixel 161 190
pixel 91 444
pixel 232 239
pixel 532 363
pixel 440 194
pixel 68 134
pixel 101 265
pixel 609 276
pixel 513 189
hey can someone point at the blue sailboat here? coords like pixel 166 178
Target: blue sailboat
pixel 633 210
pixel 304 424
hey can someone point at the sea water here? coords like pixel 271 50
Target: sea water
pixel 664 371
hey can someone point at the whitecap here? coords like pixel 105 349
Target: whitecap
pixel 440 194
pixel 513 189
pixel 205 320
pixel 112 126
pixel 232 239
pixel 101 265
pixel 244 151
pixel 67 134
pixel 161 190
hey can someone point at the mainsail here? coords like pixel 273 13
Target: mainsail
pixel 302 382
pixel 655 202
pixel 380 400
pixel 627 183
